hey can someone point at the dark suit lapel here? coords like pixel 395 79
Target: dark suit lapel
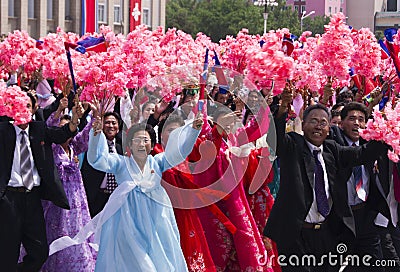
pixel 330 168
pixel 118 147
pixel 309 163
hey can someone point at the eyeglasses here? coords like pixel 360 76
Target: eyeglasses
pixel 140 140
pixel 315 122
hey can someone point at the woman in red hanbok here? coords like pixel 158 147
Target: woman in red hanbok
pixel 221 159
pixel 193 242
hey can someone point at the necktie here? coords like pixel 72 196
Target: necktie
pixel 320 192
pixel 111 183
pixel 358 181
pixel 25 162
pixel 396 182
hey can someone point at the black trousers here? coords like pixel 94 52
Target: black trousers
pixel 367 243
pixel 98 204
pixel 310 252
pixel 22 221
pixel 390 244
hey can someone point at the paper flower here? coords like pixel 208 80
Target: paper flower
pixel 13 103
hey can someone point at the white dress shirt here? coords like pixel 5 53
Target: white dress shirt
pixel 352 196
pixel 313 215
pixel 16 179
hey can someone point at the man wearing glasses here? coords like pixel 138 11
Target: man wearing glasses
pixel 311 208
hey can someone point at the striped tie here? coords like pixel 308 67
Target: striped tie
pixel 358 181
pixel 25 160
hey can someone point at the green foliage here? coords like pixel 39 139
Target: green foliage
pixel 219 18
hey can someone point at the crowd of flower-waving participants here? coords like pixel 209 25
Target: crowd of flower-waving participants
pixel 297 171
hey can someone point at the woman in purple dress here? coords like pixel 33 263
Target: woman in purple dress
pixel 60 222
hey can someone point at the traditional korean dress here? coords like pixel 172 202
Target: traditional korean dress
pixel 61 222
pixel 138 227
pixel 221 168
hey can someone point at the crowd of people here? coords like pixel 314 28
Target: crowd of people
pixel 223 184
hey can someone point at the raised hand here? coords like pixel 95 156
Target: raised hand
pixel 198 121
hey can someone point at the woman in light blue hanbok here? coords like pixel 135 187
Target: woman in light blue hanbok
pixel 138 227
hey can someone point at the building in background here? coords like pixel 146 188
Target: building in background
pixel 39 17
pixel 374 14
pixel 321 7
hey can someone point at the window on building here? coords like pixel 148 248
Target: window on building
pixel 117 14
pixel 68 10
pixel 146 17
pixel 391 5
pixel 303 8
pixel 31 9
pixel 341 1
pixel 330 10
pixel 101 15
pixel 11 12
pixel 296 8
pixel 341 9
pixel 49 9
pixel 335 9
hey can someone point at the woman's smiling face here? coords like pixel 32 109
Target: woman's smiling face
pixel 140 145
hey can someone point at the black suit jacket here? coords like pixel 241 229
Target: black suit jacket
pixel 376 202
pixel 93 178
pixel 41 137
pixel 295 195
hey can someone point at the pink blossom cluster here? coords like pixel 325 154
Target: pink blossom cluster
pixel 367 53
pixel 385 127
pixel 14 49
pixel 234 51
pixel 14 104
pixel 335 49
pixel 270 63
pixel 308 73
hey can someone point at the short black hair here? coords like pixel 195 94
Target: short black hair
pixel 345 94
pixel 66 117
pixel 141 127
pixel 337 105
pixel 315 107
pixel 116 115
pixel 33 98
pixel 354 106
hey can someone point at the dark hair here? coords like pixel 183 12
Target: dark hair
pixel 337 105
pixel 354 106
pixel 141 127
pixel 315 107
pixel 172 118
pixel 147 103
pixel 116 115
pixel 334 109
pixel 66 117
pixel 247 113
pixel 33 99
pixel 345 94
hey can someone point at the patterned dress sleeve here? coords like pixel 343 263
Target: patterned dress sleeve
pixel 52 121
pixel 81 140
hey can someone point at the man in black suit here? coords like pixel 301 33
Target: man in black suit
pixel 99 185
pixel 364 198
pixel 311 208
pixel 27 175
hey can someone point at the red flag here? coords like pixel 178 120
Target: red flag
pixel 135 14
pixel 88 16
